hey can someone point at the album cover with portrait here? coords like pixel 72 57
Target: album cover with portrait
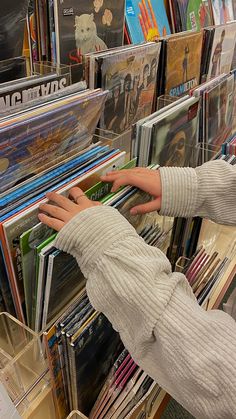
pixel 86 26
pixel 130 77
pixel 219 104
pixel 183 61
pixel 222 50
pixel 175 134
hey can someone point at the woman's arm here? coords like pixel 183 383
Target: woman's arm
pixel 189 352
pixel 208 191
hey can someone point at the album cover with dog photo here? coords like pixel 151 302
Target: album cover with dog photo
pixel 86 26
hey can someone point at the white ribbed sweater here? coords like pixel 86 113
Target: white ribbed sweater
pixel 189 352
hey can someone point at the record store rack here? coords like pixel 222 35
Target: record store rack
pixel 24 368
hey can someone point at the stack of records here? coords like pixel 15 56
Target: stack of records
pixel 192 15
pixel 204 271
pixel 216 120
pixel 218 50
pixel 168 136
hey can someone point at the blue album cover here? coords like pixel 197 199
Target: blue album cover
pixel 146 20
pixel 59 185
pixel 57 172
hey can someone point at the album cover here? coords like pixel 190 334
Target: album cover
pixel 64 281
pixel 146 20
pixel 5 287
pixel 222 11
pixel 175 135
pixel 95 351
pixel 26 90
pixel 87 26
pixel 12 24
pixel 52 132
pixel 29 240
pixel 130 77
pixel 12 69
pixel 222 50
pixel 183 62
pixel 218 103
pixel 192 14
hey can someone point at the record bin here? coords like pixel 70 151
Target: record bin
pixel 76 72
pixel 25 375
pixel 221 239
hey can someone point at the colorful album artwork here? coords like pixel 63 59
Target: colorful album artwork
pixel 198 15
pixel 131 80
pixel 146 20
pixel 183 61
pixel 30 143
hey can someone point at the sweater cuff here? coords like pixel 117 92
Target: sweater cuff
pixel 179 191
pixel 91 232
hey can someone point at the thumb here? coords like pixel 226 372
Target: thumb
pixel 151 206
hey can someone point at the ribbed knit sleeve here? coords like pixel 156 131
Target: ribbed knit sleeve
pixel 208 191
pixel 189 352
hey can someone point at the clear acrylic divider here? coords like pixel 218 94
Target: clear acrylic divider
pixel 76 415
pixel 24 369
pixel 165 100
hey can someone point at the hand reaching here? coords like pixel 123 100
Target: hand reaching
pixel 145 179
pixel 64 209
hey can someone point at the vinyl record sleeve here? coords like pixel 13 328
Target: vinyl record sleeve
pixel 222 50
pixel 95 351
pixel 183 62
pixel 86 26
pixel 130 77
pixel 12 26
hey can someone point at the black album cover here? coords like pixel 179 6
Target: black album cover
pixel 86 26
pixel 12 69
pixel 12 26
